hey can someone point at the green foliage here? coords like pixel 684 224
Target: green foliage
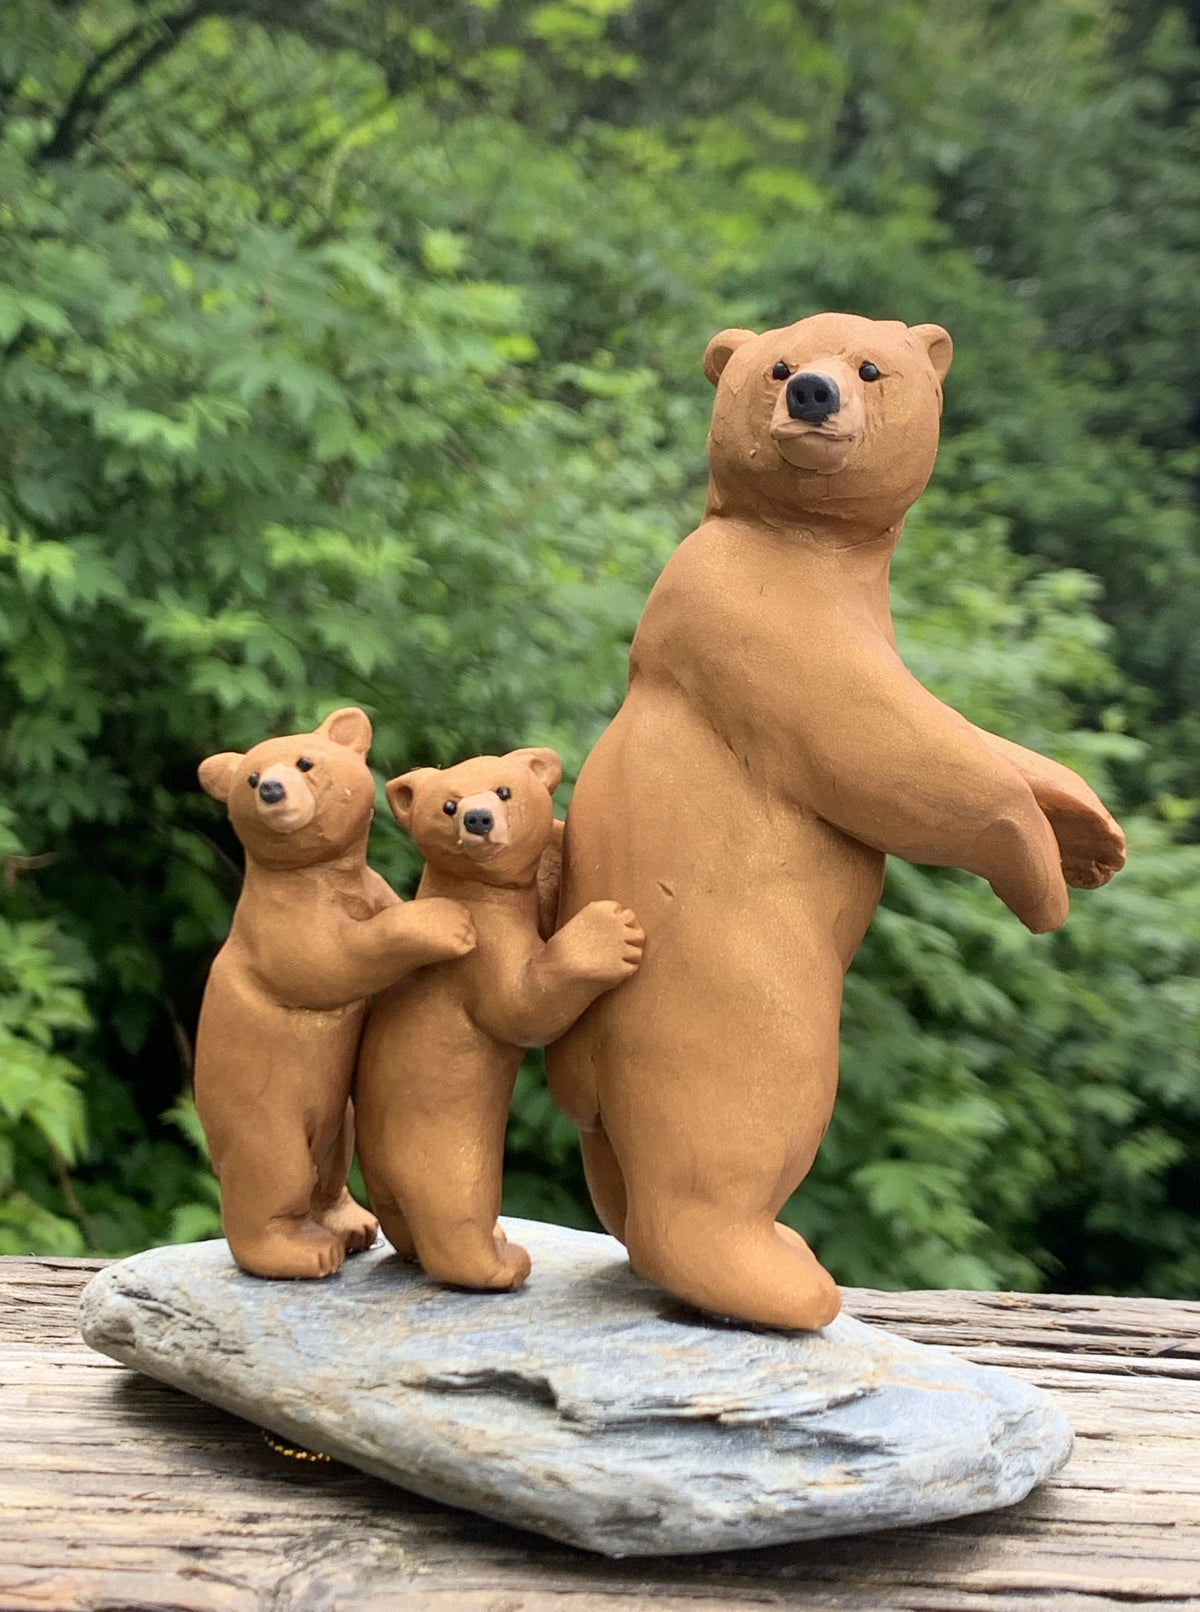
pixel 42 1122
pixel 351 354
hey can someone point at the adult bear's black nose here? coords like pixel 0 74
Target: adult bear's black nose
pixel 478 821
pixel 812 397
pixel 272 791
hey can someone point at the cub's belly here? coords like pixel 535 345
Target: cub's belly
pixel 710 848
pixel 252 1053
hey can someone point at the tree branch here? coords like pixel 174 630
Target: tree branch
pixel 87 103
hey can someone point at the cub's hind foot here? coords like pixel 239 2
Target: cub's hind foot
pixel 295 1249
pixel 515 1265
pixel 357 1227
pixel 503 1270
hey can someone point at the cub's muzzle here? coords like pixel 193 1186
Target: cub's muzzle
pixel 284 800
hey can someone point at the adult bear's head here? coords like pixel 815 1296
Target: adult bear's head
pixel 835 418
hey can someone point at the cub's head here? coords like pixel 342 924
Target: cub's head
pixel 301 799
pixel 487 819
pixel 835 417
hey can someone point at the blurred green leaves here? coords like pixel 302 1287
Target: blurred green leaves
pixel 351 354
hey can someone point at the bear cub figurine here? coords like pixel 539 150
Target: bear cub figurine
pixel 442 1047
pixel 315 933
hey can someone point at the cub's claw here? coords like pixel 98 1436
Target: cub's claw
pixel 448 927
pixel 605 942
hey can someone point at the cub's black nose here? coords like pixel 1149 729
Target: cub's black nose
pixel 479 821
pixel 271 791
pixel 812 397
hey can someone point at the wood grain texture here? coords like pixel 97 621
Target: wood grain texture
pixel 116 1492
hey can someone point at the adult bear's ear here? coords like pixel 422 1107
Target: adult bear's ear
pixel 402 794
pixel 938 345
pixel 542 762
pixel 216 773
pixel 721 349
pixel 350 727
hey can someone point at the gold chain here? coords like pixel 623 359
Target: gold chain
pixel 296 1453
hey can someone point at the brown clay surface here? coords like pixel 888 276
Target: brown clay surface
pixel 442 1047
pixel 314 934
pixel 116 1492
pixel 772 748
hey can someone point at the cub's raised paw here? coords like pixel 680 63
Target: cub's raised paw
pixel 604 942
pixel 447 928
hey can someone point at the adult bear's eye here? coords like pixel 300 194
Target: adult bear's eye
pixel 868 371
pixel 450 808
pixel 304 765
pixel 781 371
pixel 504 792
pixel 253 780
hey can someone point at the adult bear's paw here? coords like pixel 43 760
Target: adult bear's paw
pixel 1090 840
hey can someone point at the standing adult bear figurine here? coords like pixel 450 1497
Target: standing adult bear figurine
pixel 315 933
pixel 442 1048
pixel 771 749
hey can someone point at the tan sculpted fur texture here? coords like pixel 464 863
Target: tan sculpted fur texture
pixel 442 1048
pixel 315 933
pixel 771 749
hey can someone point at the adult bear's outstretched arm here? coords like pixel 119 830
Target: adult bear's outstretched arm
pixel 1090 840
pixel 882 759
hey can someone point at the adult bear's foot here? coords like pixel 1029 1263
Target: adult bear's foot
pixel 826 1298
pixel 755 1271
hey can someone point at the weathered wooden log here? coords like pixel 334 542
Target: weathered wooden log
pixel 116 1492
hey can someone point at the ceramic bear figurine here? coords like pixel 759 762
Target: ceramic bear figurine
pixel 771 750
pixel 442 1047
pixel 315 933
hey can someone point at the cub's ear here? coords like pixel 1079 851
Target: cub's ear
pixel 938 345
pixel 216 773
pixel 402 794
pixel 542 763
pixel 350 727
pixel 721 349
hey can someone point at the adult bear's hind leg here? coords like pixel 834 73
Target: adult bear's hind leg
pixel 605 1182
pixel 740 1266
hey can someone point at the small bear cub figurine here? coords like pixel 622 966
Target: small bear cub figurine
pixel 442 1048
pixel 315 933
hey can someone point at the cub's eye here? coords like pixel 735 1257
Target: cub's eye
pixel 781 371
pixel 304 765
pixel 450 808
pixel 253 780
pixel 868 371
pixel 504 792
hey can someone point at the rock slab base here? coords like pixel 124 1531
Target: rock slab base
pixel 588 1406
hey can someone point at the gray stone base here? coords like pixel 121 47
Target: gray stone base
pixel 589 1406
